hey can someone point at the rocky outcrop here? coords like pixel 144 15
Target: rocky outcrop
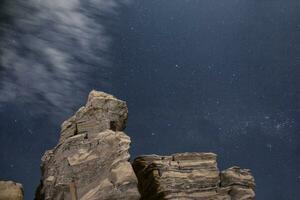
pixel 190 176
pixel 11 191
pixel 90 161
pixel 240 183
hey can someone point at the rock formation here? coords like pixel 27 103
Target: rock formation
pixel 189 176
pixel 91 158
pixel 240 183
pixel 11 191
pixel 91 162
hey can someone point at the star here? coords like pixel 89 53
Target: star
pixel 270 146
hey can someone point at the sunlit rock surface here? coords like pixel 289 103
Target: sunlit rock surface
pixel 190 176
pixel 11 191
pixel 90 161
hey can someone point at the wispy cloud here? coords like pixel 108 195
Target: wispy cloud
pixel 49 47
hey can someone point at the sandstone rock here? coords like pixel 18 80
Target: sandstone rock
pixel 240 181
pixel 90 161
pixel 188 176
pixel 11 191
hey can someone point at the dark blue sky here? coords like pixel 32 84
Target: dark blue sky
pixel 197 76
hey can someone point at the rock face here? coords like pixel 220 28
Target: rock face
pixel 190 176
pixel 11 191
pixel 90 161
pixel 240 182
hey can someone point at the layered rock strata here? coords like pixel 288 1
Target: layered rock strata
pixel 90 161
pixel 10 190
pixel 240 183
pixel 191 176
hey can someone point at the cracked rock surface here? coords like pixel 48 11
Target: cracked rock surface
pixel 191 176
pixel 10 190
pixel 90 161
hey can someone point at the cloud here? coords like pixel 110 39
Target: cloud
pixel 50 47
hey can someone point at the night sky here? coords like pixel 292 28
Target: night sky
pixel 197 75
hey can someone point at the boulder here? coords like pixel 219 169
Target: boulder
pixel 10 190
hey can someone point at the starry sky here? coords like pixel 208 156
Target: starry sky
pixel 197 75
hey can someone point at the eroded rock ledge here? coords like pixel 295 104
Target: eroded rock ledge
pixel 191 176
pixel 91 162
